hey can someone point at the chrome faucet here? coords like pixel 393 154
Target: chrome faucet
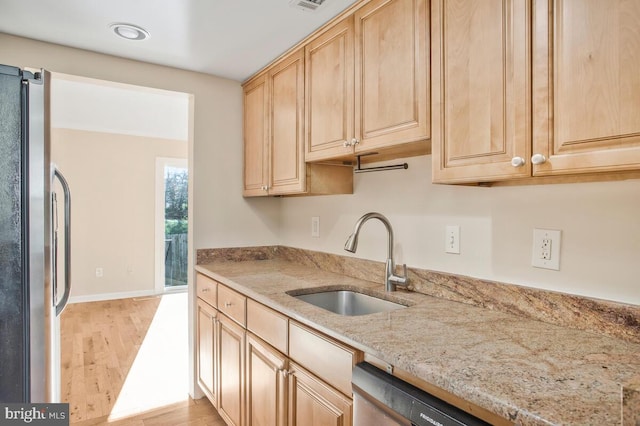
pixel 391 279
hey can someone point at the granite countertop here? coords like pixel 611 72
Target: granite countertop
pixel 527 371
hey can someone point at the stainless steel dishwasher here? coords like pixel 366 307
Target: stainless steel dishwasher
pixel 381 399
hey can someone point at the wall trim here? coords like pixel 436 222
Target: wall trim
pixel 113 296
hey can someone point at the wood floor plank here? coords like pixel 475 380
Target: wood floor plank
pixel 77 401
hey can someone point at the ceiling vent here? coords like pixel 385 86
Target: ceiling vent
pixel 306 5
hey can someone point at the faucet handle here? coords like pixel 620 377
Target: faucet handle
pixel 400 279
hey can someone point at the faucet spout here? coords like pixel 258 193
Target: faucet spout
pixel 352 243
pixel 391 280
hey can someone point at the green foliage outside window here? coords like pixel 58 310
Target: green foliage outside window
pixel 175 226
pixel 176 201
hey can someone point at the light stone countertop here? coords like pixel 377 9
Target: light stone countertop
pixel 530 372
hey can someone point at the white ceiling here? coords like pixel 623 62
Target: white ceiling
pixel 227 38
pixel 118 108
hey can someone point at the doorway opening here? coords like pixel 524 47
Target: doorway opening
pixel 172 208
pixel 108 153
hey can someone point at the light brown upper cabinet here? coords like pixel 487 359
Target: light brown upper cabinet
pixel 480 89
pixel 273 124
pixel 367 85
pixel 586 86
pixel 329 93
pixel 273 137
pixel 286 137
pixel 391 75
pixel 256 136
pixel 571 109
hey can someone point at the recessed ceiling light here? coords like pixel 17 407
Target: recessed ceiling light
pixel 130 31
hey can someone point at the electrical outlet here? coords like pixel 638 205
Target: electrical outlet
pixel 545 252
pixel 546 249
pixel 315 227
pixel 99 272
pixel 452 239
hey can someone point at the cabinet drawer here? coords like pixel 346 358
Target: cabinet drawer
pixel 267 324
pixel 206 289
pixel 323 356
pixel 232 304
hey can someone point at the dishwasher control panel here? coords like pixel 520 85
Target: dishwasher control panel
pixel 403 401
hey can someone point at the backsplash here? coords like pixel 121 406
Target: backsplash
pixel 610 318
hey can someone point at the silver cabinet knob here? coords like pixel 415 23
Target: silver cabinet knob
pixel 538 159
pixel 265 188
pixel 517 161
pixel 354 141
pixel 346 144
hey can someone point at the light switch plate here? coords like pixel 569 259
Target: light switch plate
pixel 546 249
pixel 315 226
pixel 452 239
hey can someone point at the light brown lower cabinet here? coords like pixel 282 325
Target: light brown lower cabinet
pixel 206 338
pixel 314 403
pixel 280 392
pixel 230 357
pixel 252 383
pixel 266 379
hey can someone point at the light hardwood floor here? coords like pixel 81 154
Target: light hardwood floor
pixel 99 344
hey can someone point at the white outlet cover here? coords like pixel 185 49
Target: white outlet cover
pixel 315 227
pixel 539 251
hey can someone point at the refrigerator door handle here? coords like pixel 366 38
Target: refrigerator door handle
pixel 60 305
pixel 54 245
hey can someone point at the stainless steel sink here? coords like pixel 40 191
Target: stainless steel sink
pixel 347 302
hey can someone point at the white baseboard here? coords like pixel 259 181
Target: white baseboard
pixel 112 296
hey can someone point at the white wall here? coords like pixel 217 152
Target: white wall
pixel 113 180
pixel 600 223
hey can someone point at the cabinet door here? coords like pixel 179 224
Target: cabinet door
pixel 329 93
pixel 266 384
pixel 206 349
pixel 314 403
pixel 287 167
pixel 231 341
pixel 391 74
pixel 256 137
pixel 586 86
pixel 480 89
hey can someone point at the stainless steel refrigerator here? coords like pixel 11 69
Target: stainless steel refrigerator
pixel 30 298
